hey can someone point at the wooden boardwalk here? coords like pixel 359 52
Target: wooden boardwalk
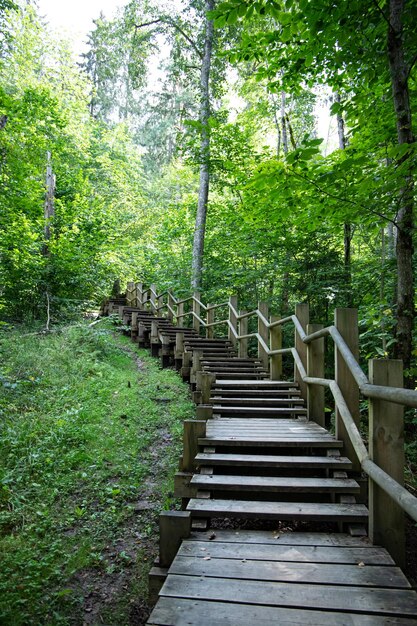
pixel 258 462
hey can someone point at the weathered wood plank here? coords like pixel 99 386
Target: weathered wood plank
pixel 285 538
pixel 263 460
pixel 349 555
pixel 349 599
pixel 275 483
pixel 184 612
pixel 278 510
pixel 277 571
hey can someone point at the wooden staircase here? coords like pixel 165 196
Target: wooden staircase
pixel 260 463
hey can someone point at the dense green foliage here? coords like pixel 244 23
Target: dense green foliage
pixel 125 151
pixel 83 440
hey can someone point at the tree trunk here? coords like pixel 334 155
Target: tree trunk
pixel 284 124
pixel 405 278
pixel 347 226
pixel 200 223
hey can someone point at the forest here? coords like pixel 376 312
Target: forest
pixel 186 150
pixel 260 148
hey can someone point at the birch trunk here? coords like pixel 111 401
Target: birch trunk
pixel 200 223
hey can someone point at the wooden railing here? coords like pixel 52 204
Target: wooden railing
pixel 384 462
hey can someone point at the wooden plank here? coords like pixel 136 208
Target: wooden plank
pixel 287 552
pixel 275 483
pixel 317 573
pixel 342 540
pixel 350 599
pixel 275 442
pixel 278 510
pixel 263 460
pixel 195 612
pixel 279 384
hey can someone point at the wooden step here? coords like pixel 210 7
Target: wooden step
pixel 306 511
pixel 218 482
pixel 265 460
pixel 254 411
pixel 245 375
pixel 251 384
pixel 255 393
pixel 255 402
pixel 179 611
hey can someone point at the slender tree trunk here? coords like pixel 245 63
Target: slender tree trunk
pixel 200 223
pixel 405 277
pixel 49 210
pixel 347 226
pixel 284 123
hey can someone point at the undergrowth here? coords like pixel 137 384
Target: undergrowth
pixel 89 426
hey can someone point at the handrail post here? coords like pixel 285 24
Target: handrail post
pixel 170 315
pixel 386 449
pixel 139 297
pixel 180 313
pixel 315 369
pixel 134 326
pixel 232 319
pixel 196 311
pixel 154 303
pixel 243 330
pixel 346 322
pixel 302 312
pixel 263 331
pixel 275 343
pixel 179 350
pixel 209 320
pixel 160 305
pixel 129 293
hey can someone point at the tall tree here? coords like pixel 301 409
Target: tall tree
pixel 203 192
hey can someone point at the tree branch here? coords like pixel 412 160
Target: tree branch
pixel 165 20
pixel 345 200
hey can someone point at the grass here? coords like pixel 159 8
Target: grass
pixel 89 437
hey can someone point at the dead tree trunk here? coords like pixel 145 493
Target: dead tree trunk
pixel 399 73
pixel 49 204
pixel 200 222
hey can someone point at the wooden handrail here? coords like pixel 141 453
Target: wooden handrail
pixel 397 395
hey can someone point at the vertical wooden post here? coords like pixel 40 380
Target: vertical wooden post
pixel 180 313
pixel 204 382
pixel 263 331
pixel 154 339
pixel 243 330
pixel 193 429
pixel 170 307
pixel 232 320
pixel 386 449
pixel 152 292
pixel 315 368
pixel 196 365
pixel 139 299
pixel 134 326
pixel 303 315
pixel 129 294
pixel 179 350
pixel 210 320
pixel 275 343
pixel 196 311
pixel 160 306
pixel 174 526
pixel 346 322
